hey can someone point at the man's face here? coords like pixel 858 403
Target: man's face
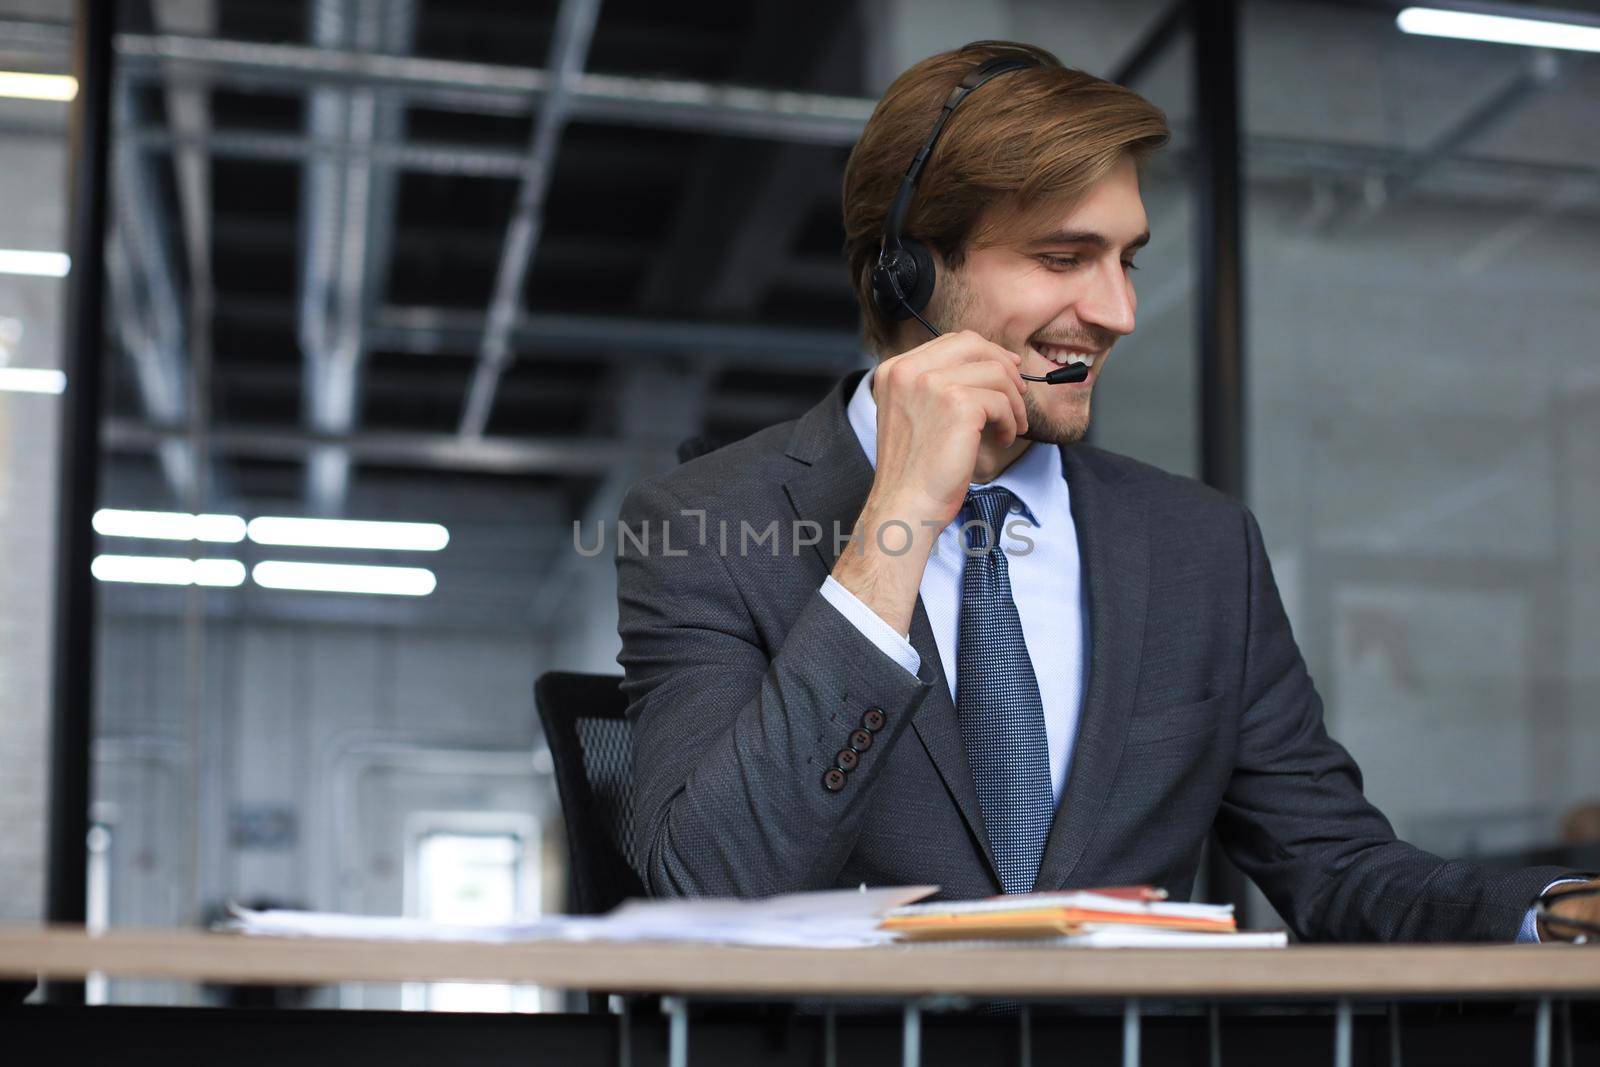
pixel 1053 286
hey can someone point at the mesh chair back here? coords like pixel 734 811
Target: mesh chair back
pixel 586 726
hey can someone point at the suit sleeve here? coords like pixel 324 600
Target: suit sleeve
pixel 732 738
pixel 1295 820
pixel 883 636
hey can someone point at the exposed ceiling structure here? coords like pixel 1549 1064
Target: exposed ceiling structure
pixel 426 252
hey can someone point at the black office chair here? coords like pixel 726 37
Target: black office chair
pixel 586 727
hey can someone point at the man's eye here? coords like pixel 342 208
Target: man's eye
pixel 1060 262
pixel 1130 264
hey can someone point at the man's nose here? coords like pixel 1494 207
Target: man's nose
pixel 1109 302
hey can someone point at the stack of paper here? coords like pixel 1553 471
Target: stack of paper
pixel 1133 916
pixel 845 918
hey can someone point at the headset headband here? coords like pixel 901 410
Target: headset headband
pixel 901 205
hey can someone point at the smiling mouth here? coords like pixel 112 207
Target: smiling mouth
pixel 1067 355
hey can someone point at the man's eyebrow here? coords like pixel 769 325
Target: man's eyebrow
pixel 1088 237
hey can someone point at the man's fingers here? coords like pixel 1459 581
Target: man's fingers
pixel 999 416
pixel 969 347
pixel 949 350
pixel 990 376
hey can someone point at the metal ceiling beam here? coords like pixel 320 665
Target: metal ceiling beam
pixel 423 247
pixel 156 377
pixel 426 331
pixel 468 161
pixel 423 451
pixel 604 98
pixel 432 157
pixel 569 50
pixel 489 162
pixel 745 407
pixel 149 316
pixel 346 228
pixel 188 113
pixel 1538 75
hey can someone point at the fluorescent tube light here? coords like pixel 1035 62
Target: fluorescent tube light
pixel 167 570
pixel 32 380
pixel 169 526
pixel 1499 29
pixel 344 578
pixel 42 264
pixel 25 86
pixel 218 572
pixel 349 533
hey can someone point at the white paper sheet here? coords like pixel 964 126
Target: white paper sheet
pixel 1125 936
pixel 842 918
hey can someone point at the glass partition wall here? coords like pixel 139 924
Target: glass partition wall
pixel 1424 416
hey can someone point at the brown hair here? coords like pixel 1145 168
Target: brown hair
pixel 1045 132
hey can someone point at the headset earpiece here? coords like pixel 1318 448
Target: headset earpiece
pixel 902 280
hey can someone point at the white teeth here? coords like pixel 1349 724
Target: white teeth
pixel 1064 358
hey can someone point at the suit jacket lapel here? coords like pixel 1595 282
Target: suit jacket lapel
pixel 1114 549
pixel 830 491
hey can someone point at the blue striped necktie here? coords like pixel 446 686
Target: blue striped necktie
pixel 997 700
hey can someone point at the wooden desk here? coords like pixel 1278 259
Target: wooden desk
pixel 913 975
pixel 892 971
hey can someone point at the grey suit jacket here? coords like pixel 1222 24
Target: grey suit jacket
pixel 744 683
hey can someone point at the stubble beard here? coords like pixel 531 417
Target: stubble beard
pixel 1050 428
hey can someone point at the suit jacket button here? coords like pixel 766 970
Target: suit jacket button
pixel 874 719
pixel 846 759
pixel 833 781
pixel 861 740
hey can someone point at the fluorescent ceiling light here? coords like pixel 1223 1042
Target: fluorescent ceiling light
pixel 1499 29
pixel 167 570
pixel 27 86
pixel 32 380
pixel 42 264
pixel 169 526
pixel 344 578
pixel 349 533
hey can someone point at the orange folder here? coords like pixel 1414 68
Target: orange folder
pixel 984 919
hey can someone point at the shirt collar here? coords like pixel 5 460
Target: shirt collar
pixel 1030 478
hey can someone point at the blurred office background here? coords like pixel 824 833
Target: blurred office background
pixel 315 310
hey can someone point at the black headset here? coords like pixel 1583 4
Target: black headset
pixel 903 276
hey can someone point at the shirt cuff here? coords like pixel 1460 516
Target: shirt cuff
pixel 887 639
pixel 1529 934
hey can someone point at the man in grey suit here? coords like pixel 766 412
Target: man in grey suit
pixel 1074 703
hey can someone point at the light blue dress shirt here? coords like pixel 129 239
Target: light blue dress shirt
pixel 1044 578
